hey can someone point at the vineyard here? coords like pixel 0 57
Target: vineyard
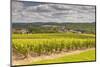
pixel 46 44
pixel 46 33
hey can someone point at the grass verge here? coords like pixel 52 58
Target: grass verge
pixel 84 56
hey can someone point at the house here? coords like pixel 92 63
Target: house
pixel 63 29
pixel 20 30
pixel 76 31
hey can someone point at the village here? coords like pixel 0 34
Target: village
pixel 59 29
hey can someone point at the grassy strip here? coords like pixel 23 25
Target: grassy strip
pixel 84 56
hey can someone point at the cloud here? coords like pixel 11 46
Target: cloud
pixel 44 12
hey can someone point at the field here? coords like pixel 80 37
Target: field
pixel 35 45
pixel 33 41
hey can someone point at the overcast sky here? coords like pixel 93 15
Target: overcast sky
pixel 43 12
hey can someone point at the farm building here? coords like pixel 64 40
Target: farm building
pixel 20 30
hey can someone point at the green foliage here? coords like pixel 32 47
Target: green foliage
pixel 51 27
pixel 51 43
pixel 52 35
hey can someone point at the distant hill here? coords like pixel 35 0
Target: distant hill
pixel 52 27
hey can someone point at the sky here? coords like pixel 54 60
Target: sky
pixel 30 11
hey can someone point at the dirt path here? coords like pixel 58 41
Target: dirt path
pixel 33 59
